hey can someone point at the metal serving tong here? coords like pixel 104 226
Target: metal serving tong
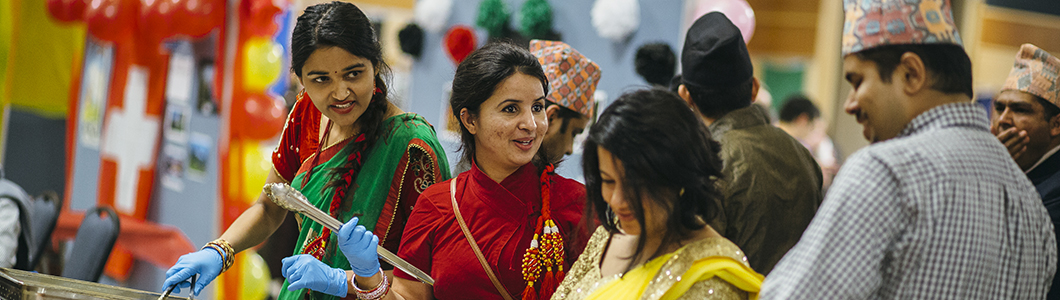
pixel 191 289
pixel 291 199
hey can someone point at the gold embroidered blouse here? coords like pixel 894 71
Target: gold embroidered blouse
pixel 584 277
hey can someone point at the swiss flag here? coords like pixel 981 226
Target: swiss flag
pixel 131 132
pixel 129 144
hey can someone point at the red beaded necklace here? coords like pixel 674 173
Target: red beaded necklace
pixel 546 249
pixel 318 246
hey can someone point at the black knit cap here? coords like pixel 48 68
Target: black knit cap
pixel 714 55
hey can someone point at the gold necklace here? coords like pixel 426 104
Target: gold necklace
pixel 327 137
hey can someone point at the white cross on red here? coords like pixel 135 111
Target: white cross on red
pixel 130 138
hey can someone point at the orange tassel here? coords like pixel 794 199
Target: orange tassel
pixel 529 294
pixel 548 285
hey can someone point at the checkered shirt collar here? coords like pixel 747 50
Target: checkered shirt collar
pixel 948 115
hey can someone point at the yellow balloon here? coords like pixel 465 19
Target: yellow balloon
pixel 262 63
pixel 255 276
pixel 257 163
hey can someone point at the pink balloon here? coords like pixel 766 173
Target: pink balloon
pixel 738 11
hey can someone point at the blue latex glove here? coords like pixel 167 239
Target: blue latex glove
pixel 304 271
pixel 206 262
pixel 359 246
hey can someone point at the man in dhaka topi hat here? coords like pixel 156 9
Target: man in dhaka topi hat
pixel 934 207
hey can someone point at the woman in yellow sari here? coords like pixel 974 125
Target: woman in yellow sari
pixel 650 171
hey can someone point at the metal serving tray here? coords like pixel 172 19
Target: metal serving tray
pixel 17 285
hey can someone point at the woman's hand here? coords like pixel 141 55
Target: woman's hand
pixel 305 271
pixel 206 262
pixel 359 245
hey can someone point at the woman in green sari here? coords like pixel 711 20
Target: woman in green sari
pixel 351 152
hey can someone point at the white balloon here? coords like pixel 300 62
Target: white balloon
pixel 615 19
pixel 432 15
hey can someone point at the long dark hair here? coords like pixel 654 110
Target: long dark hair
pixel 477 78
pixel 343 25
pixel 664 149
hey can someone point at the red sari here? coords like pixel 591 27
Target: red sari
pixel 502 218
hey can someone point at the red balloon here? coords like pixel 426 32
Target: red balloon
pixel 212 13
pixel 258 16
pixel 262 117
pixel 112 20
pixel 460 42
pixel 67 10
pixel 198 17
pixel 56 9
pixel 156 17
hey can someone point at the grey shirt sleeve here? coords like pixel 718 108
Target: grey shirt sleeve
pixel 9 231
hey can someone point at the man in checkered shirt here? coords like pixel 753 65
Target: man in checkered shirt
pixel 935 208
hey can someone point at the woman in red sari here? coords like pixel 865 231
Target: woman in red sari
pixel 520 215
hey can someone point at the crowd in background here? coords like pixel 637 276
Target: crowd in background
pixel 692 190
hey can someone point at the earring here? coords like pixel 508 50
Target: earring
pixel 681 193
pixel 376 92
pixel 614 220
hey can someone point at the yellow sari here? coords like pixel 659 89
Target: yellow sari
pixel 712 268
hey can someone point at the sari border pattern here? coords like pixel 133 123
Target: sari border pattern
pixel 390 207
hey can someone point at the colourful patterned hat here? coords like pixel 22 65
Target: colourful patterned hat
pixel 571 76
pixel 874 23
pixel 1035 72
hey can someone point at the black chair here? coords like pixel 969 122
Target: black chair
pixel 92 244
pixel 45 214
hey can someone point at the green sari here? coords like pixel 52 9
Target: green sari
pixel 405 160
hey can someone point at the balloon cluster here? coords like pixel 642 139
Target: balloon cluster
pixel 257 113
pixel 150 20
pixel 146 23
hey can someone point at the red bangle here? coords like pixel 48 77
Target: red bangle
pixel 378 292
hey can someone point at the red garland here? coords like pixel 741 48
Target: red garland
pixel 546 249
pixel 318 245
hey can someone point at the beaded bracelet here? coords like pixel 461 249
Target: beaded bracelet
pixel 378 292
pixel 225 250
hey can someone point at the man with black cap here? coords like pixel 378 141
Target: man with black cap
pixel 935 207
pixel 773 184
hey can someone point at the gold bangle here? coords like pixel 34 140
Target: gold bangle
pixel 230 256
